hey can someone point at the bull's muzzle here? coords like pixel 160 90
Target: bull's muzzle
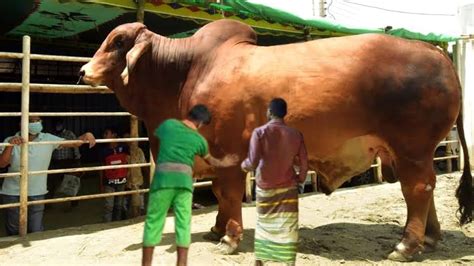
pixel 86 75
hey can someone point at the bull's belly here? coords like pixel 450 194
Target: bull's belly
pixel 352 157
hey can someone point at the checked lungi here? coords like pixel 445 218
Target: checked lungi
pixel 276 232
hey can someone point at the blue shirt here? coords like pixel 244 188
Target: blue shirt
pixel 39 157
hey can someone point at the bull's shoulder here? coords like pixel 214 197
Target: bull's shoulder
pixel 225 30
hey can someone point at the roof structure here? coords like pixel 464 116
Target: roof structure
pixel 89 21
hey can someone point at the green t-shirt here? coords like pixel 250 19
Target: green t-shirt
pixel 178 144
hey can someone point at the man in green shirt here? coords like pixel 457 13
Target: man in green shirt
pixel 172 184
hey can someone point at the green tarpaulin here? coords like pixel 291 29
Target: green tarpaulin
pixel 66 18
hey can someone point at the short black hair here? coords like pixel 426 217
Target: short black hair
pixel 277 107
pixel 200 113
pixel 112 129
pixel 58 121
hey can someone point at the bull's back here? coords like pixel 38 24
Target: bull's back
pixel 341 88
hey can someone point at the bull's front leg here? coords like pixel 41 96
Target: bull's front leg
pixel 228 189
pixel 417 182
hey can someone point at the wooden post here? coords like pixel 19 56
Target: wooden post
pixel 25 108
pixel 141 11
pixel 248 187
pixel 152 165
pixel 134 198
pixel 378 170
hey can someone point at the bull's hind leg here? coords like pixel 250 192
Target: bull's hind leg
pixel 433 229
pixel 417 180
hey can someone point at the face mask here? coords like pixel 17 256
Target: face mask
pixel 35 128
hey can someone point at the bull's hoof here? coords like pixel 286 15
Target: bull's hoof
pixel 227 246
pixel 213 235
pixel 398 256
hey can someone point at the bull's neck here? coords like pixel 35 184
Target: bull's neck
pixel 171 59
pixel 166 70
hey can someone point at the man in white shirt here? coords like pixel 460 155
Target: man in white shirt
pixel 39 157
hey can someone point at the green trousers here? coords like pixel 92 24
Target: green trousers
pixel 158 205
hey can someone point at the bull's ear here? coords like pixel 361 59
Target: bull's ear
pixel 132 57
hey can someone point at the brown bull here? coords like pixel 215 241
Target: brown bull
pixel 353 98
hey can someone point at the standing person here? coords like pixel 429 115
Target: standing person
pixel 172 184
pixel 114 180
pixel 135 177
pixel 62 158
pixel 274 147
pixel 39 157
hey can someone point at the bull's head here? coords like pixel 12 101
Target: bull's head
pixel 118 55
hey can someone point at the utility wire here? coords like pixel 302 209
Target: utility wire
pixel 399 11
pixel 329 12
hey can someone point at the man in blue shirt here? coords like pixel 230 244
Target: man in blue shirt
pixel 39 157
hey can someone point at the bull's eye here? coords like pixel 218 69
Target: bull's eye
pixel 118 44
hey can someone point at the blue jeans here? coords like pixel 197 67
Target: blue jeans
pixel 12 215
pixel 113 205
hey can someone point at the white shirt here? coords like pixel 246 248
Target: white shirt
pixel 39 157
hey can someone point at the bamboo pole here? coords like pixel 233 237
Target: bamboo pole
pixel 55 88
pixel 378 170
pixel 79 141
pixel 75 59
pixel 248 187
pixel 449 141
pixel 46 57
pixel 88 169
pixel 445 157
pixel 25 108
pixel 141 11
pixel 94 196
pixel 79 169
pixel 152 165
pixel 48 114
pixel 134 208
pixel 86 197
pixel 7 55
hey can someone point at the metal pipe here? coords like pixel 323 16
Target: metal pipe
pixel 48 114
pixel 25 109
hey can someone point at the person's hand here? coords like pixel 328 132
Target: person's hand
pixel 230 160
pixel 244 167
pixel 16 140
pixel 89 137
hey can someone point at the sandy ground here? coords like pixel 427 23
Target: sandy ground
pixel 352 226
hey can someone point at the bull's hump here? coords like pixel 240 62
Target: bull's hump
pixel 226 29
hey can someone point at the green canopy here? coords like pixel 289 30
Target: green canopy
pixel 68 18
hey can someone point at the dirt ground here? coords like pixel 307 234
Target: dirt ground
pixel 353 226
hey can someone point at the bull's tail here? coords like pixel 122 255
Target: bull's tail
pixel 464 190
